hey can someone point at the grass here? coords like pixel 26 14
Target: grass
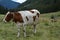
pixel 46 30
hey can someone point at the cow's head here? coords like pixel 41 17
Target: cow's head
pixel 8 17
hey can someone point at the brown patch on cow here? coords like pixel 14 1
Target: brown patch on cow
pixel 9 17
pixel 32 11
pixel 17 17
pixel 38 14
pixel 34 17
pixel 27 18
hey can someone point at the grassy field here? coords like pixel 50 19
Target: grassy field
pixel 46 30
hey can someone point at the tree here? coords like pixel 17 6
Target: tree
pixel 3 10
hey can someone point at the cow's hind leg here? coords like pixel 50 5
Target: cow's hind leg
pixel 34 28
pixel 24 30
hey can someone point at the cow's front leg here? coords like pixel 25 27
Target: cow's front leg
pixel 24 30
pixel 18 27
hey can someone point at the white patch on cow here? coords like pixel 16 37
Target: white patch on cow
pixel 35 11
pixel 6 16
pixel 29 15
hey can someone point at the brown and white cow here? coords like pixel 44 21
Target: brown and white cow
pixel 23 18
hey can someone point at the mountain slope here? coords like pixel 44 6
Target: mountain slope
pixel 42 5
pixel 9 4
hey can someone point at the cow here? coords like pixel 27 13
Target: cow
pixel 26 17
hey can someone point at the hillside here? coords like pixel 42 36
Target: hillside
pixel 46 29
pixel 9 4
pixel 42 5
